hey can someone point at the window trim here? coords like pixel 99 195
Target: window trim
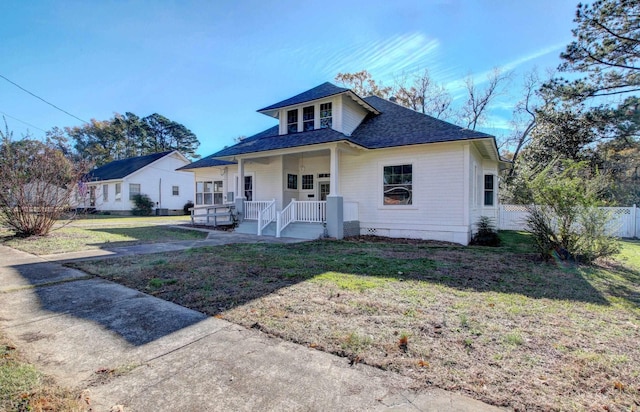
pixel 132 193
pixel 493 190
pixel 380 178
pixel 105 192
pixel 292 181
pixel 292 124
pixel 175 190
pixel 118 195
pixel 310 183
pixel 328 109
pixel 308 121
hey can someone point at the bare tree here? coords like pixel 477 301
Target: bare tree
pixel 424 95
pixel 363 84
pixel 37 185
pixel 478 99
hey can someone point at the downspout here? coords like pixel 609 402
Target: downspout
pixel 160 192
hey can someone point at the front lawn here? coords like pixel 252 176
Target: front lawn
pixel 493 323
pixel 103 232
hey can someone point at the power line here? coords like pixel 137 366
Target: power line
pixel 22 121
pixel 40 98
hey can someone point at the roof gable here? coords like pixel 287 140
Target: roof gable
pixel 324 90
pixel 119 169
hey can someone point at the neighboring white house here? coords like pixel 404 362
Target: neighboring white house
pixel 354 165
pixel 111 187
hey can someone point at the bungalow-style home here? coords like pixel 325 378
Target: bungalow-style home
pixel 110 188
pixel 337 164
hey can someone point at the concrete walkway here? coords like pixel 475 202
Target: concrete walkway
pixel 135 352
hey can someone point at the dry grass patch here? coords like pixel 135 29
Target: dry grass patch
pixel 23 388
pixel 493 323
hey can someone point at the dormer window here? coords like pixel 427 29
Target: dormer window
pixel 325 116
pixel 308 119
pixel 292 121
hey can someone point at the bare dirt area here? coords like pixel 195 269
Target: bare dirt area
pixel 493 323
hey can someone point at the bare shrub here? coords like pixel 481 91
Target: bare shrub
pixel 37 185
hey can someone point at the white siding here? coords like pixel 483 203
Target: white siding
pixel 156 180
pixel 438 202
pixel 352 115
pixel 213 174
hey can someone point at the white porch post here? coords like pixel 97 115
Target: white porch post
pixel 334 166
pixel 239 200
pixel 335 217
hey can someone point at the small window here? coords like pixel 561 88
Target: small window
pixel 307 182
pixel 175 190
pixel 325 116
pixel 292 121
pixel 307 119
pixel 488 190
pixel 134 189
pixel 105 193
pixel 397 185
pixel 118 192
pixel 217 192
pixel 292 181
pixel 324 175
pixel 248 188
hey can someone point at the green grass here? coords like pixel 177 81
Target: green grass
pixel 103 232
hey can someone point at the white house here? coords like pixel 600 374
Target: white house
pixel 111 187
pixel 338 164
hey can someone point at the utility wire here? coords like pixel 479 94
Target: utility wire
pixel 40 98
pixel 22 121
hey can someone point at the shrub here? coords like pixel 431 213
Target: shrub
pixel 143 205
pixel 187 206
pixel 564 217
pixel 486 234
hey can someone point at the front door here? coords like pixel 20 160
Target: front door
pixel 325 189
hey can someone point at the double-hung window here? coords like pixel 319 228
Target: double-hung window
pixel 204 193
pixel 308 119
pixel 307 182
pixel 134 189
pixel 118 192
pixel 397 186
pixel 325 116
pixel 105 193
pixel 292 121
pixel 175 190
pixel 217 192
pixel 489 185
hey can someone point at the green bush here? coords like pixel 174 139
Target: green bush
pixel 564 216
pixel 187 206
pixel 486 233
pixel 143 205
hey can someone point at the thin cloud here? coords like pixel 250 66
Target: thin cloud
pixel 384 58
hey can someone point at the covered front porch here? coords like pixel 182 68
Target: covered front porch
pixel 296 188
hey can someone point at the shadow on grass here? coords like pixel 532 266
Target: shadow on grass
pixel 215 279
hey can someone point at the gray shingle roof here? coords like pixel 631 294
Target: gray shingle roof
pixel 208 161
pixel 399 126
pixel 118 169
pixel 394 126
pixel 324 90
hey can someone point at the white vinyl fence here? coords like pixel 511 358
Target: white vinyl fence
pixel 625 221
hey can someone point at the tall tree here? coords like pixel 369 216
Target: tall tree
pixel 606 49
pixel 126 136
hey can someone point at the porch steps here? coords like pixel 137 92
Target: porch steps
pixel 297 230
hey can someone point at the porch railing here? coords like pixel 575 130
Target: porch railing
pixel 266 216
pixel 301 211
pixel 252 208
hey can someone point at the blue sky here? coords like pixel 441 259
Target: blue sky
pixel 211 64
